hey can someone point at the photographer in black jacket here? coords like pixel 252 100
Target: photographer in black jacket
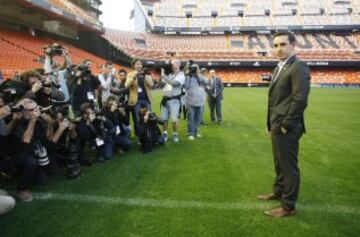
pixel 95 129
pixel 149 131
pixel 62 138
pixel 84 86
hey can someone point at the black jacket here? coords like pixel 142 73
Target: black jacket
pixel 288 96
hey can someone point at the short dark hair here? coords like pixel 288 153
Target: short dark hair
pixel 84 107
pixel 290 36
pixel 122 71
pixel 134 61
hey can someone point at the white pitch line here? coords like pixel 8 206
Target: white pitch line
pixel 172 204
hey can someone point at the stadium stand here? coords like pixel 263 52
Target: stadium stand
pixel 232 47
pixel 172 13
pixel 21 51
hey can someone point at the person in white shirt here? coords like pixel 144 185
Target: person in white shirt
pixel 107 79
pixel 171 101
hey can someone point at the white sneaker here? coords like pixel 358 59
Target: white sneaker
pixel 198 135
pixel 191 137
pixel 25 196
pixel 175 138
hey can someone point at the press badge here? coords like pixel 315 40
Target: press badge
pixel 118 131
pixel 90 96
pixel 99 142
pixel 139 89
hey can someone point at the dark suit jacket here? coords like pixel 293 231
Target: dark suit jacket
pixel 219 89
pixel 288 95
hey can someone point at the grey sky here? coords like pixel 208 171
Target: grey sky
pixel 116 14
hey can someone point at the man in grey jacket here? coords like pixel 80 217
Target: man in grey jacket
pixel 194 100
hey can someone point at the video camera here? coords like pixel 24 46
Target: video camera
pixel 55 50
pixel 191 67
pixel 78 71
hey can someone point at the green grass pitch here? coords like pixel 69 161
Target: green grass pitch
pixel 208 187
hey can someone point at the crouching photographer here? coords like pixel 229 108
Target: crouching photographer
pixel 63 141
pixel 117 115
pixel 9 117
pixel 149 131
pixel 95 129
pixel 30 153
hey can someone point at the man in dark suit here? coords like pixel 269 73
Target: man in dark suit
pixel 215 97
pixel 288 95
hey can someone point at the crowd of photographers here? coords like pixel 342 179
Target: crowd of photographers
pixel 50 118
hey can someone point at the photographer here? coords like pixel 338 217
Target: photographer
pixel 43 91
pixel 171 101
pixel 149 131
pixel 123 94
pixel 62 140
pixel 107 80
pixel 58 75
pixel 84 87
pixel 8 120
pixel 28 136
pixel 95 130
pixel 194 99
pixel 139 83
pixel 117 115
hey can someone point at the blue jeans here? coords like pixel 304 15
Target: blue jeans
pixel 194 115
pixel 139 105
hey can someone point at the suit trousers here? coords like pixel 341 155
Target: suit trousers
pixel 215 105
pixel 285 151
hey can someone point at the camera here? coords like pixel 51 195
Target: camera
pixel 191 67
pixel 16 109
pixel 55 50
pixel 78 71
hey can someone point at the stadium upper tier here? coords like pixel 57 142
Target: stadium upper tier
pixel 66 6
pixel 231 47
pixel 173 13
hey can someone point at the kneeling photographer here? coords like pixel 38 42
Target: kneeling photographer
pixel 9 117
pixel 95 129
pixel 30 154
pixel 149 131
pixel 117 115
pixel 62 138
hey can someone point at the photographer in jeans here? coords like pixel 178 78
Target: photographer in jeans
pixel 117 115
pixel 95 129
pixel 139 83
pixel 28 134
pixel 171 101
pixel 194 99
